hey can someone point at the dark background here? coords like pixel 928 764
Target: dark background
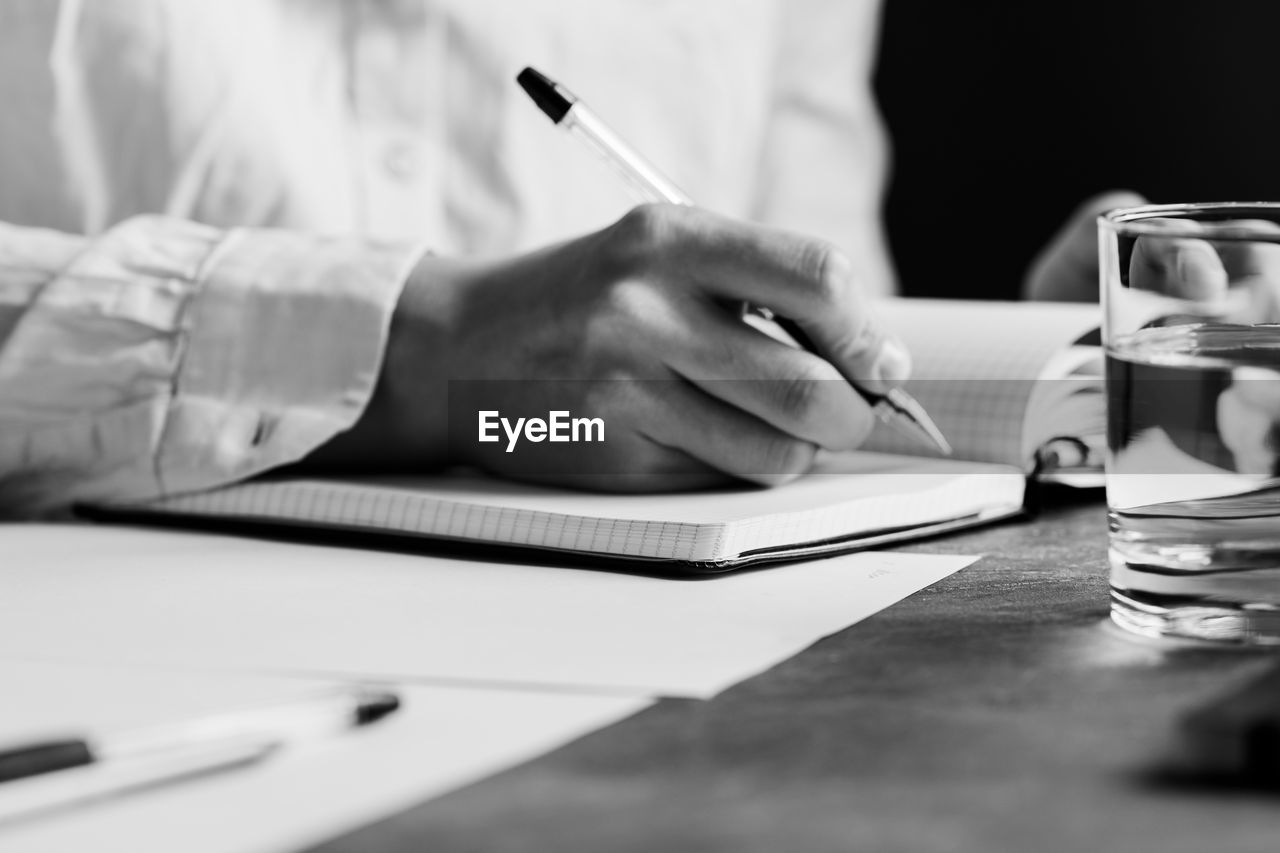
pixel 1005 115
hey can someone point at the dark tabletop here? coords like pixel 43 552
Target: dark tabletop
pixel 996 710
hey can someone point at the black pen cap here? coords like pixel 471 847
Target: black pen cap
pixel 373 705
pixel 552 98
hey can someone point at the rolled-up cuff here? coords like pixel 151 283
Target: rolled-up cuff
pixel 284 342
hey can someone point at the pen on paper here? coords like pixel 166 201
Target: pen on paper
pixel 51 774
pixel 50 793
pixel 896 408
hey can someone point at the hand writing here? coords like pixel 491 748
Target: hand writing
pixel 639 325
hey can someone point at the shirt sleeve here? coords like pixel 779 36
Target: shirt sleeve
pixel 826 153
pixel 166 356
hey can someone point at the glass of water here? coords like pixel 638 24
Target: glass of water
pixel 1191 325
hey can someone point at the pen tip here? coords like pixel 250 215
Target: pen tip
pixel 902 408
pixel 374 705
pixel 941 442
pixel 932 435
pixel 552 98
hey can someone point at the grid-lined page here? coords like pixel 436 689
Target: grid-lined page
pixel 415 510
pixel 847 496
pixel 976 365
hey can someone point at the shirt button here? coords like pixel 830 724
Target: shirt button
pixel 401 160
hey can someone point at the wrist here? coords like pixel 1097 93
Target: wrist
pixel 404 426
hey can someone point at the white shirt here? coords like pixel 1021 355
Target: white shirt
pixel 211 206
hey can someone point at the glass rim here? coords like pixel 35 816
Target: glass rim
pixel 1136 221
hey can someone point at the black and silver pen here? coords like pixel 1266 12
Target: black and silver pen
pixel 52 773
pixel 896 407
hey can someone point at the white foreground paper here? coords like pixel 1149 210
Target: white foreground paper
pixel 442 738
pixel 127 595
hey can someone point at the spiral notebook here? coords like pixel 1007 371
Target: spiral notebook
pixel 1001 379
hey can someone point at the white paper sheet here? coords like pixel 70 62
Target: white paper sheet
pixel 442 738
pixel 147 596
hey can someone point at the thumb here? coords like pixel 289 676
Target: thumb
pixel 1066 270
